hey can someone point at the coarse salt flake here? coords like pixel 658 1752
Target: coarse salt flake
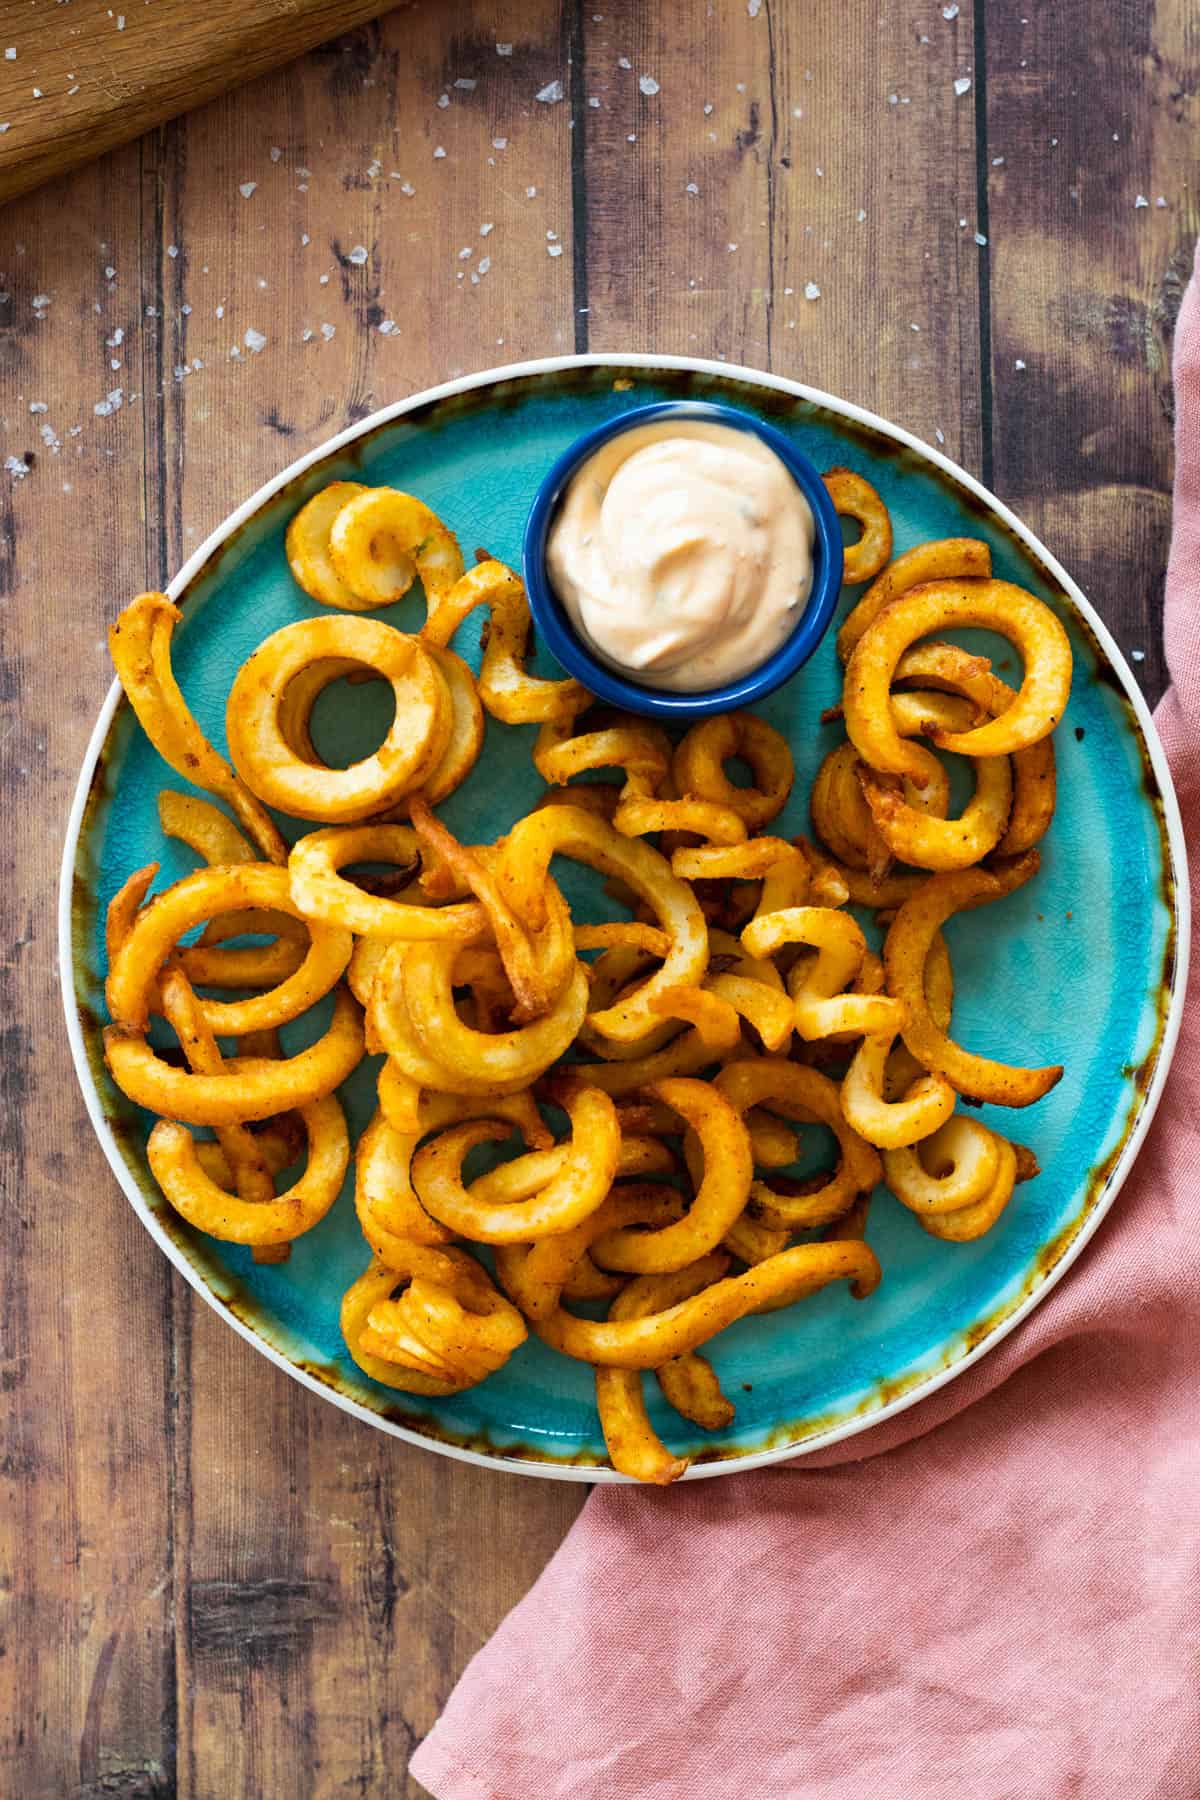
pixel 504 49
pixel 486 230
pixel 498 143
pixel 962 84
pixel 327 331
pixel 950 12
pixel 623 62
pixel 104 409
pixel 811 291
pixel 485 263
pixel 246 188
pixel 1020 363
pixel 388 327
pixel 552 92
pixel 754 7
pixel 438 153
pixel 691 188
pixel 940 435
pixel 254 340
pixel 358 255
pixel 647 84
pixel 554 249
pixel 466 84
pixel 172 251
pixel 443 100
pixel 38 406
pixel 1141 201
pixel 467 250
pixel 980 239
pixel 17 467
pixel 276 152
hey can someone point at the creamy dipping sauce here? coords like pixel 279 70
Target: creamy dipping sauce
pixel 683 553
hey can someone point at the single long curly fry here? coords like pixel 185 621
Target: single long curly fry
pixel 278 1144
pixel 263 1087
pixel 905 952
pixel 275 1220
pixel 721 1194
pixel 633 1444
pixel 958 1182
pixel 208 831
pixel 958 558
pixel 637 815
pixel 639 748
pixel 805 1094
pixel 140 644
pixel 840 814
pixel 648 1343
pixel 855 498
pixel 506 688
pixel 1028 623
pixel 699 773
pixel 204 828
pixel 715 1031
pixel 818 986
pixel 587 1171
pixel 861 888
pixel 626 933
pixel 380 539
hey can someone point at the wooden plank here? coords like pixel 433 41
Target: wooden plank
pixel 87 1689
pixel 789 126
pixel 1092 176
pixel 74 86
pixel 331 1582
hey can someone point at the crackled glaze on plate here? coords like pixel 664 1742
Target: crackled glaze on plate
pixel 1083 967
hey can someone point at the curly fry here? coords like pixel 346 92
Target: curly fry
pixel 698 766
pixel 854 498
pixel 955 558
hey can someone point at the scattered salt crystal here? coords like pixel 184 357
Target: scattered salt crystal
pixel 962 224
pixel 38 406
pixel 554 249
pixel 172 251
pixel 861 215
pixel 1140 201
pixel 914 327
pixel 504 49
pixel 116 340
pixel 438 154
pixel 302 172
pixel 17 467
pixel 552 92
pixel 485 263
pixel 374 168
pixel 109 272
pixel 72 90
pixel 940 435
pixel 486 230
pixel 1161 201
pixel 811 291
pixel 114 362
pixel 246 188
pixel 1019 364
pixel 708 106
pixel 530 193
pixel 691 188
pixel 307 335
pixel 623 62
pixel 497 144
pixel 466 84
pixel 443 99
pixel 305 240
pixel 322 281
pixel 276 153
pixel 1138 655
pixel 893 99
pixel 120 21
pixel 980 239
pixel 388 327
pixel 730 248
pixel 950 12
pixel 5 125
pixel 254 340
pixel 754 7
pixel 358 255
pixel 962 84
pixel 10 55
pixel 103 409
pixel 631 137
pixel 186 310
pixel 406 187
pixel 647 84
pixel 327 331
pixel 467 250
pixel 593 102
pixel 220 312
pixel 997 162
pixel 40 302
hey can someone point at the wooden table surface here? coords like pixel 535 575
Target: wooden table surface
pixel 976 221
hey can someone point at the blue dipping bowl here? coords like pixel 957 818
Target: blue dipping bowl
pixel 564 641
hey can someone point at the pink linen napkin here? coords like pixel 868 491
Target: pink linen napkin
pixel 993 1596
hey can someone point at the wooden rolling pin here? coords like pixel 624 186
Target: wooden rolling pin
pixel 78 78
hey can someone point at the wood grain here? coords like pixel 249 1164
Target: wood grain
pixel 84 82
pixel 212 1583
pixel 1092 111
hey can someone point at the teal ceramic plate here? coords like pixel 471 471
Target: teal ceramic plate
pixel 1083 967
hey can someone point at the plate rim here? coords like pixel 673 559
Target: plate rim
pixel 921 1389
